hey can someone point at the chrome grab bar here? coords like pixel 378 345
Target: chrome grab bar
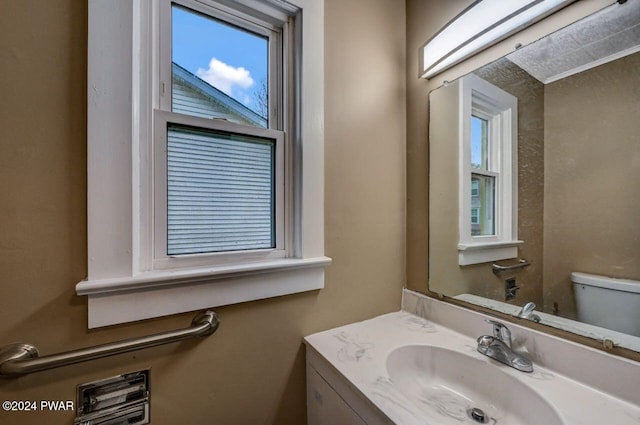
pixel 522 263
pixel 20 359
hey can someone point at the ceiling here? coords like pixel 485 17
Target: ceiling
pixel 607 35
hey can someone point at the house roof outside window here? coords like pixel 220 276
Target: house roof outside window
pixel 194 96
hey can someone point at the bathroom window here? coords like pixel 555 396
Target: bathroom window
pixel 220 140
pixel 202 138
pixel 483 178
pixel 488 173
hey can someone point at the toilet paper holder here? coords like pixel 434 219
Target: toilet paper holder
pixel 121 399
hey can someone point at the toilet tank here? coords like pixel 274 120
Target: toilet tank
pixel 608 302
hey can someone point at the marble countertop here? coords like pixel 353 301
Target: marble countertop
pixel 359 352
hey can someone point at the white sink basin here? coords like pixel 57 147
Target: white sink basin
pixel 446 385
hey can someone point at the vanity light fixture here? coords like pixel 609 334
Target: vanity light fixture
pixel 481 25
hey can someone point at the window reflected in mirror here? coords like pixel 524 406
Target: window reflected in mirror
pixel 482 185
pixel 479 143
pixel 482 205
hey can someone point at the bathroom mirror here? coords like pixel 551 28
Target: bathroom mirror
pixel 576 188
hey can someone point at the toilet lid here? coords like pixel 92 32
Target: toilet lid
pixel 626 285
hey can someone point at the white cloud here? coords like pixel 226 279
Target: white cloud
pixel 224 77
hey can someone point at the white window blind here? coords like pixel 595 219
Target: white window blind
pixel 220 191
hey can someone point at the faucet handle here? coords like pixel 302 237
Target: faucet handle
pixel 500 331
pixel 527 312
pixel 485 341
pixel 527 309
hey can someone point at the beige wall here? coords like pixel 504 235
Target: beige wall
pixel 252 370
pixel 592 172
pixel 424 19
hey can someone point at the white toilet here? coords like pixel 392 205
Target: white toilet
pixel 608 302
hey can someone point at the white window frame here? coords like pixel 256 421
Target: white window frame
pixel 126 280
pixel 484 100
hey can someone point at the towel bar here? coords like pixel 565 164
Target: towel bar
pixel 522 263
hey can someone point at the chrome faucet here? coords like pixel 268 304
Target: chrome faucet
pixel 498 347
pixel 527 312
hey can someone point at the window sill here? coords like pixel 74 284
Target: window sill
pixel 163 292
pixel 484 252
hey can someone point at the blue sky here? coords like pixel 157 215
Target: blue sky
pixel 230 59
pixel 476 141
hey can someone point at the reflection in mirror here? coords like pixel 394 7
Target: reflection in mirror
pixel 578 177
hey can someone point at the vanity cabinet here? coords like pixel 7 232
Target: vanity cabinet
pixel 325 406
pixel 332 399
pixel 403 369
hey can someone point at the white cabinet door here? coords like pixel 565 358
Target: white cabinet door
pixel 325 406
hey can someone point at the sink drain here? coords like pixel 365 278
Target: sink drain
pixel 478 415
